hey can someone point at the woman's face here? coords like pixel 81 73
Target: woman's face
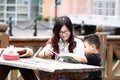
pixel 64 33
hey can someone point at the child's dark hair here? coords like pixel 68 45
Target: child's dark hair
pixel 93 39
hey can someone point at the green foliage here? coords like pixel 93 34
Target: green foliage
pixel 46 19
pixel 39 17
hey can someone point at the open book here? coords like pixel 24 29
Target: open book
pixel 66 58
pixel 69 59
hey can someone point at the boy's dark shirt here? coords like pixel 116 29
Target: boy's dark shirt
pixel 94 59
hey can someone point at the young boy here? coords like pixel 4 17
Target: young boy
pixel 92 56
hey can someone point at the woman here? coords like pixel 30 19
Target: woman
pixel 62 42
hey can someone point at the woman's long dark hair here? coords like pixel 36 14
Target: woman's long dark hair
pixel 59 23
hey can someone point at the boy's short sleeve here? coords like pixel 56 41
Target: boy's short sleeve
pixel 93 59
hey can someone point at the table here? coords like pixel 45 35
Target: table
pixel 50 66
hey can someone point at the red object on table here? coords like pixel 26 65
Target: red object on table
pixel 10 56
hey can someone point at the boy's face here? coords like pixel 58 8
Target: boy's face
pixel 89 48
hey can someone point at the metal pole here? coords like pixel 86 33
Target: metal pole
pixel 10 26
pixel 35 28
pixel 55 9
pixel 82 28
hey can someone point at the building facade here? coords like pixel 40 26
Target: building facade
pixel 92 12
pixel 18 10
pixel 64 7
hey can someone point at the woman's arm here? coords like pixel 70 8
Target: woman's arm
pixel 45 53
pixel 81 59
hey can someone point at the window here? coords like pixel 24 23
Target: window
pixel 40 9
pixel 10 15
pixel 1 20
pixel 1 8
pixel 40 2
pixel 2 1
pixel 40 6
pixel 1 15
pixel 25 1
pixel 9 8
pixel 22 2
pixel 11 1
pixel 22 16
pixel 22 9
pixel 104 7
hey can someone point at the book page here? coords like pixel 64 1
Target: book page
pixel 69 59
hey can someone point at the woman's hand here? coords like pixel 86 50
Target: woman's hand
pixel 48 53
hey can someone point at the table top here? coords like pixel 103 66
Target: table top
pixel 49 65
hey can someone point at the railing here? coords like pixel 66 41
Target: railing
pixel 28 41
pixel 112 68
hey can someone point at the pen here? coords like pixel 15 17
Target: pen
pixel 54 52
pixel 38 51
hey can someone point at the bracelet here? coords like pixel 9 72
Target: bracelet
pixel 44 54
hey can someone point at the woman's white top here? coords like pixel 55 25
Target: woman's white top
pixel 79 49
